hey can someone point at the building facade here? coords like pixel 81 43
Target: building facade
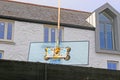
pixel 21 24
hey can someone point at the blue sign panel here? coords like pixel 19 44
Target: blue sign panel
pixel 78 53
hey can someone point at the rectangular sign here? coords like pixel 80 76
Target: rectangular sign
pixel 78 53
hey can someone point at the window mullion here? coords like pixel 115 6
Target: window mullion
pixel 56 37
pixel 12 31
pixel 105 35
pixel 62 34
pixel 5 32
pixel 49 35
pixel 113 37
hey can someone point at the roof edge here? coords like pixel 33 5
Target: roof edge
pixel 46 6
pixel 107 5
pixel 48 22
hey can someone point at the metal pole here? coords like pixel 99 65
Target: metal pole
pixel 58 29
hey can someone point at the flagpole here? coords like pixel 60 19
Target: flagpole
pixel 58 28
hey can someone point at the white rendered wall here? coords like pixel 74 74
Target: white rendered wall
pixel 97 60
pixel 24 33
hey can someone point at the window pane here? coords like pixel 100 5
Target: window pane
pixel 0 55
pixel 106 32
pixel 2 29
pixel 109 36
pixel 46 34
pixel 102 36
pixel 9 31
pixel 105 18
pixel 52 34
pixel 60 35
pixel 112 65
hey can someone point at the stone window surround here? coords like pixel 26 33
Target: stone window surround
pixel 116 30
pixel 52 26
pixel 112 61
pixel 5 41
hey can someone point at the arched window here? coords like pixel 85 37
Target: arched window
pixel 106 31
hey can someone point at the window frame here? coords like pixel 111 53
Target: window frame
pixel 105 35
pixel 49 32
pixel 112 62
pixel 2 52
pixel 5 40
pixel 116 29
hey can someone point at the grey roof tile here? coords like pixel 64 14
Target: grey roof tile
pixel 43 13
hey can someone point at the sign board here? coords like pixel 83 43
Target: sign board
pixel 78 53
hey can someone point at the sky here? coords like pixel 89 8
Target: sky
pixel 81 5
